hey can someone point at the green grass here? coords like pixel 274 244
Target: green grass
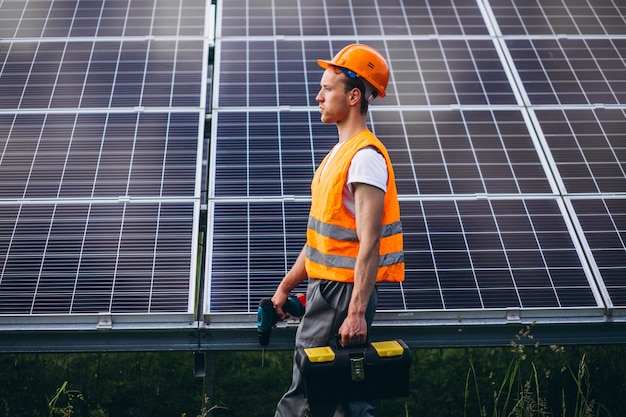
pixel 523 379
pixel 518 392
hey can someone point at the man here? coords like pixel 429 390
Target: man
pixel 354 236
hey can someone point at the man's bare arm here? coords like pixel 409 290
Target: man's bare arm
pixel 369 202
pixel 294 277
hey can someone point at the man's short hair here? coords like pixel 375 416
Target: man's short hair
pixel 368 92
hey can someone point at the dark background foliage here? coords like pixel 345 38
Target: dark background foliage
pixel 163 383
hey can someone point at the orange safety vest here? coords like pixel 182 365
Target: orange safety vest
pixel 332 244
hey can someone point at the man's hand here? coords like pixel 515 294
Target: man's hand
pixel 278 301
pixel 353 330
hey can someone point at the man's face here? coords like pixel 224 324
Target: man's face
pixel 332 97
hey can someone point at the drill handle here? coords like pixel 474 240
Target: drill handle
pixel 295 305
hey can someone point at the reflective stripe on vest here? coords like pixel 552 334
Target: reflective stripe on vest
pixel 341 233
pixel 338 261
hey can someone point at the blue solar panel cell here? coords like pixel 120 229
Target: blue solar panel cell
pixel 390 300
pixel 493 298
pixel 466 298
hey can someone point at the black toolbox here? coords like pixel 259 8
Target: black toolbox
pixel 367 372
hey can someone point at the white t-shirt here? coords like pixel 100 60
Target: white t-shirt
pixel 368 166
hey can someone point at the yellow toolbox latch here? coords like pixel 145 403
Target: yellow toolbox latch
pixel 388 348
pixel 320 354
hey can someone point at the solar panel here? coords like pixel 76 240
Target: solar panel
pixel 504 120
pixel 101 127
pixel 489 137
pixel 77 258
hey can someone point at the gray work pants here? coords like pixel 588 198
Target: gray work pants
pixel 326 308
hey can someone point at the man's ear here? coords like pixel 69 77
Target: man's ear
pixel 354 96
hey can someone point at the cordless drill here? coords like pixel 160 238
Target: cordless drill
pixel 266 316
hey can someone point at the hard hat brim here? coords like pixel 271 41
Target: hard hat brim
pixel 324 64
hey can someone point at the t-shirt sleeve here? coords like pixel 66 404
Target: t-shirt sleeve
pixel 368 166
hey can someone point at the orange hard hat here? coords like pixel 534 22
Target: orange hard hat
pixel 363 61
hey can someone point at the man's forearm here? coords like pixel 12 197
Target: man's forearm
pixel 294 277
pixel 365 272
pixel 296 274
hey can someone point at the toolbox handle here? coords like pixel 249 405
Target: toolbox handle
pixel 360 345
